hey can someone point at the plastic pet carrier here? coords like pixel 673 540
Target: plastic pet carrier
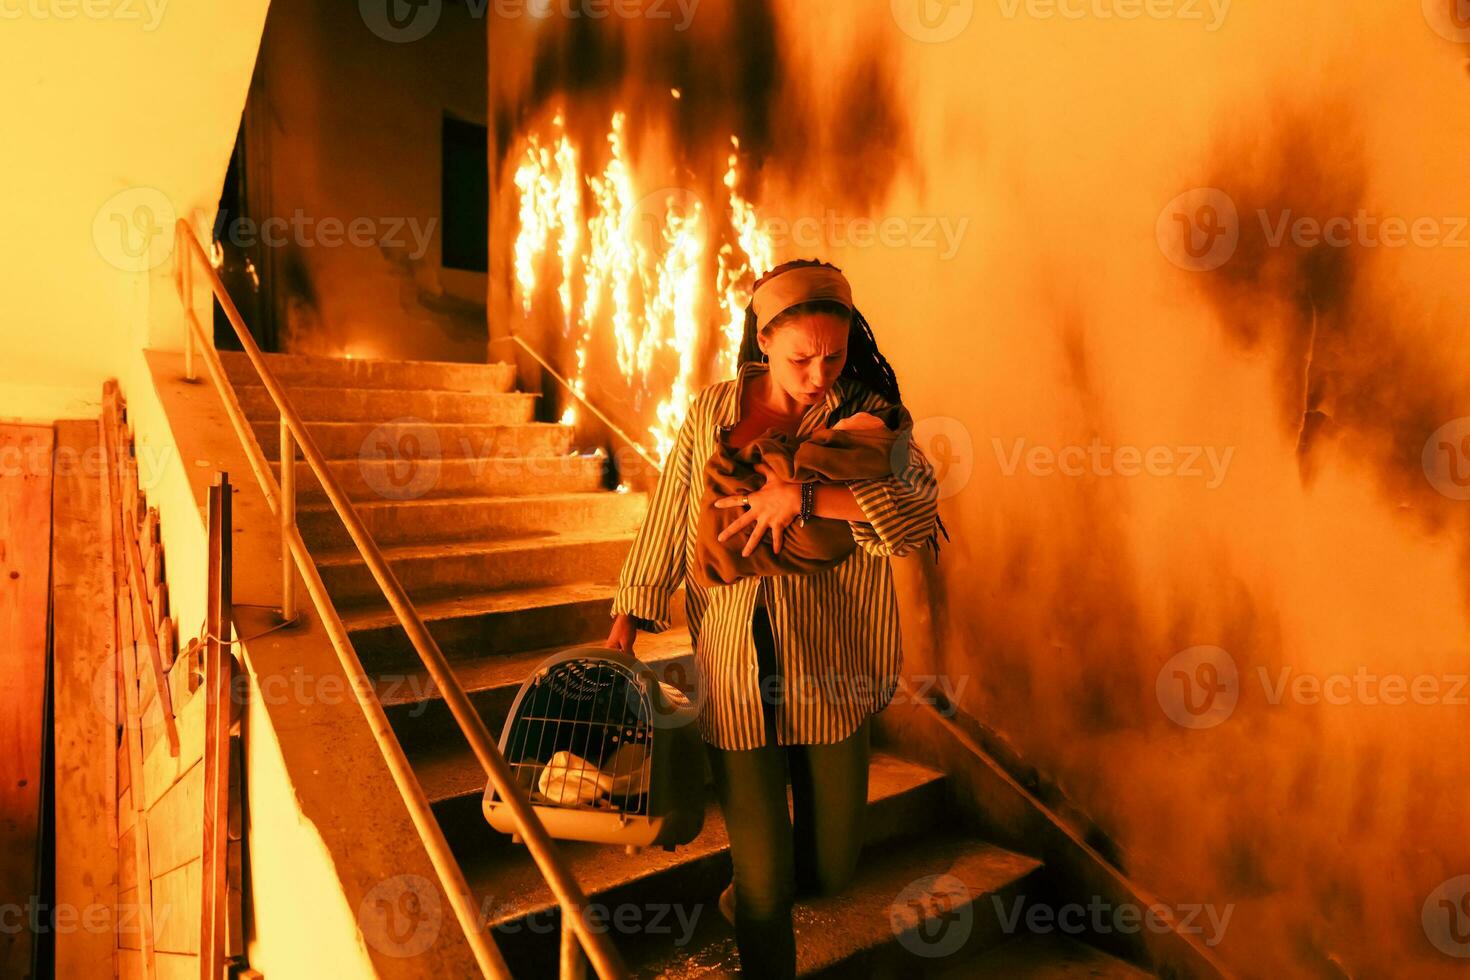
pixel 605 752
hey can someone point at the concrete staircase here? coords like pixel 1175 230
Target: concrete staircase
pixel 510 543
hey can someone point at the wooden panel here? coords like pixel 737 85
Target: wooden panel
pixel 83 651
pixel 178 966
pixel 173 825
pixel 129 921
pixel 176 910
pixel 167 647
pixel 127 861
pixel 127 815
pixel 25 559
pixel 129 964
pixel 162 770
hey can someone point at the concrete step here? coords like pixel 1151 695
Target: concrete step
pixel 903 799
pixel 415 705
pixel 908 904
pixel 422 440
pixel 399 405
pixel 432 519
pixel 337 372
pixel 486 624
pixel 1044 957
pixel 456 568
pixel 415 479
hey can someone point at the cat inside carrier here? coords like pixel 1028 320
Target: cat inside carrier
pixel 605 751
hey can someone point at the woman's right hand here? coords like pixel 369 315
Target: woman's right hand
pixel 624 632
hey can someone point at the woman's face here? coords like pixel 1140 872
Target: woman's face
pixel 806 353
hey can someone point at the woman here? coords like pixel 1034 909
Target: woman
pixel 792 667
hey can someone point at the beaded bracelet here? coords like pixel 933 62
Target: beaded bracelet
pixel 808 501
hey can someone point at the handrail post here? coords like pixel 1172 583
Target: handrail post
pixel 288 522
pixel 186 280
pixel 573 962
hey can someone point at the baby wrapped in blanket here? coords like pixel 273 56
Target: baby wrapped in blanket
pixel 867 445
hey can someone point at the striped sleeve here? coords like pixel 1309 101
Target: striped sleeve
pixel 902 509
pixel 654 567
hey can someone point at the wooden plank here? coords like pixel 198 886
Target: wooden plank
pixel 25 560
pixel 235 903
pixel 132 735
pixel 127 814
pixel 178 966
pixel 127 862
pixel 163 769
pixel 173 824
pixel 83 655
pixel 176 910
pixel 218 675
pixel 150 630
pixel 167 643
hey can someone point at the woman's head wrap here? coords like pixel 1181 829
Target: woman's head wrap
pixel 802 284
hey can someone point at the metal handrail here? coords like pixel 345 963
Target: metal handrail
pixel 616 429
pixel 568 893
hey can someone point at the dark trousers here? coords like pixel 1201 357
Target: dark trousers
pixel 778 856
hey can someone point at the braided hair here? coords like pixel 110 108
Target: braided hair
pixel 865 363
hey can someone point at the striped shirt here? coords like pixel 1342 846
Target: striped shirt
pixel 836 632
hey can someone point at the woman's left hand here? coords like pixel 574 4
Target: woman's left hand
pixel 774 506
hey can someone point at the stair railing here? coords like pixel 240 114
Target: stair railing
pixel 295 556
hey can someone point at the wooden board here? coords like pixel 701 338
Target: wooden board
pixel 25 561
pixel 84 687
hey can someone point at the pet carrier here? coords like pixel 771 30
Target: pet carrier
pixel 605 751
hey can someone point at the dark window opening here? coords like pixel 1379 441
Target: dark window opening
pixel 465 229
